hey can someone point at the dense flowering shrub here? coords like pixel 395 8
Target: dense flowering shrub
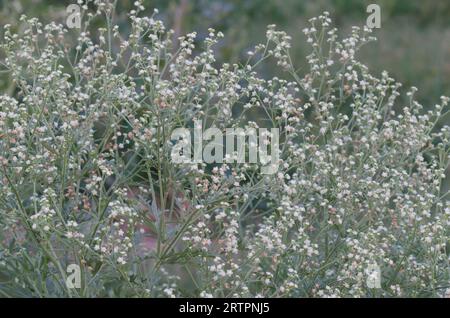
pixel 86 174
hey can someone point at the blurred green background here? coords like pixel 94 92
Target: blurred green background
pixel 413 42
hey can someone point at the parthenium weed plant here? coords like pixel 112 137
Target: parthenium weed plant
pixel 86 176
